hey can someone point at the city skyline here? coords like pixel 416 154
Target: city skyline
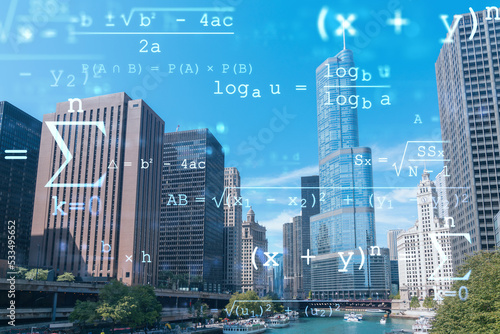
pixel 413 88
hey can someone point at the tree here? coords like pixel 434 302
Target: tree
pixel 32 274
pixel 276 307
pixel 133 306
pixel 480 311
pixel 414 303
pixel 66 277
pixel 84 313
pixel 113 292
pixel 149 309
pixel 310 295
pixel 124 311
pixel 429 302
pixel 199 310
pixel 247 308
pixel 21 272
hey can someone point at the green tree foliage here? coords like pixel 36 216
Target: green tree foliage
pixel 414 303
pixel 276 307
pixel 247 309
pixel 429 302
pixel 66 277
pixel 149 307
pixel 32 275
pixel 21 272
pixel 480 312
pixel 310 294
pixel 133 306
pixel 199 310
pixel 84 313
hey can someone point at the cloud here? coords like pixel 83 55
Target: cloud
pixel 284 179
pixel 276 224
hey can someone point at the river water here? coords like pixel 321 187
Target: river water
pixel 369 325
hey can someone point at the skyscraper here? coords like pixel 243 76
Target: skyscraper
pixel 276 276
pixel 288 257
pixel 192 224
pixel 21 132
pixel 392 243
pixel 232 229
pixel 346 219
pixel 254 246
pixel 442 200
pixel 468 84
pixel 309 192
pixel 419 259
pixel 97 200
pixel 298 291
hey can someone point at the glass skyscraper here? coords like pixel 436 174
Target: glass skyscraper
pixel 18 131
pixel 191 224
pixel 346 219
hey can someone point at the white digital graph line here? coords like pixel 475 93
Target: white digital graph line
pixel 360 86
pixel 152 33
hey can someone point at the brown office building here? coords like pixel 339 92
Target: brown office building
pixel 97 200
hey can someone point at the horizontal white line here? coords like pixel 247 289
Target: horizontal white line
pixel 50 57
pixel 16 151
pixel 166 163
pixel 127 164
pixel 381 86
pixel 431 160
pixel 181 20
pixel 15 158
pixel 25 74
pixel 77 203
pixel 151 33
pixel 300 89
pixel 271 199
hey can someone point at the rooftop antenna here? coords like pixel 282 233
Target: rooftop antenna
pixel 177 129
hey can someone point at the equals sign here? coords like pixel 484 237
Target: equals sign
pixel 300 87
pixel 450 293
pixel 16 157
pixel 155 68
pixel 127 164
pixel 76 206
pixel 382 159
pixel 199 199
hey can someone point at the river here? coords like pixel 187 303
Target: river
pixel 369 325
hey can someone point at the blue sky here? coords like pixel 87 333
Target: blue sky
pixel 272 139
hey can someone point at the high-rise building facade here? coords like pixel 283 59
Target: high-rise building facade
pixel 288 257
pixel 297 291
pixel 496 224
pixel 311 194
pixel 468 84
pixel 232 229
pixel 97 201
pixel 18 132
pixel 422 271
pixel 442 200
pixel 276 275
pixel 392 243
pixel 192 224
pixel 254 236
pixel 346 220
